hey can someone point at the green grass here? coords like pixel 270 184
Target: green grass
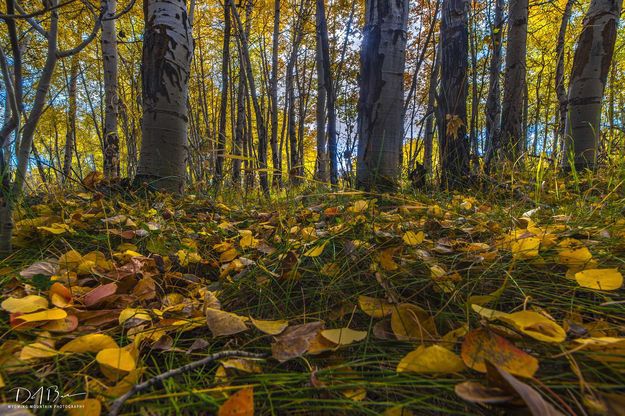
pixel 289 388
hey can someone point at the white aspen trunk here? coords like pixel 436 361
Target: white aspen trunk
pixel 589 74
pixel 167 53
pixel 380 113
pixel 109 62
pixel 512 132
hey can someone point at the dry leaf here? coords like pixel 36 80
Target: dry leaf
pixel 240 403
pixel 269 327
pixel 223 323
pixel 374 307
pixel 432 359
pixel 343 336
pixel 410 322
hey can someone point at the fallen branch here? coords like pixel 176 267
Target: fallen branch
pixel 119 402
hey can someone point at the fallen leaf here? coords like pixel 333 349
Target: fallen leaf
pixel 295 341
pixel 86 407
pixel 600 279
pixel 534 401
pixel 223 323
pixel 536 326
pixel 240 403
pixel 115 362
pixel 43 268
pixel 37 350
pixel 99 294
pixel 410 322
pixel 432 359
pixel 374 307
pixel 475 392
pixel 27 304
pixel 317 250
pixel 412 239
pixel 92 343
pixel 482 344
pixel 269 327
pixel 47 315
pixel 343 336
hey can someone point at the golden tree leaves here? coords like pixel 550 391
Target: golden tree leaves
pixel 481 345
pixel 432 359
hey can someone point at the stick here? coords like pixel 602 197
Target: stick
pixel 119 402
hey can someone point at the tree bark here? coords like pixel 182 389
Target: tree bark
pixel 70 135
pixel 559 81
pixel 514 87
pixel 223 107
pixel 167 54
pixel 380 112
pixel 328 83
pixel 111 107
pixel 275 154
pixel 452 99
pixel 428 141
pixel 589 74
pixel 322 143
pixel 493 104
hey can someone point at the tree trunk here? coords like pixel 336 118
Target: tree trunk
pixel 223 107
pixel 275 154
pixel 70 135
pixel 380 115
pixel 512 137
pixel 493 104
pixel 322 144
pixel 452 100
pixel 428 141
pixel 589 74
pixel 109 59
pixel 260 119
pixel 167 54
pixel 322 35
pixel 559 81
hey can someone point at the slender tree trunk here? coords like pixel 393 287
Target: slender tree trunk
pixel 260 118
pixel 109 60
pixel 239 132
pixel 452 100
pixel 223 107
pixel 514 87
pixel 589 74
pixel 428 142
pixel 70 135
pixel 167 54
pixel 322 35
pixel 322 144
pixel 380 115
pixel 559 81
pixel 493 104
pixel 275 154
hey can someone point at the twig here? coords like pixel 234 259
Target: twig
pixel 119 402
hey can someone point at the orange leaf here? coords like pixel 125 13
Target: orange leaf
pixel 240 403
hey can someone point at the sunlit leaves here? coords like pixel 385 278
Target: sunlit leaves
pixel 600 279
pixel 432 359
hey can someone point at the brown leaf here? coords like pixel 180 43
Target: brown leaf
pixel 223 323
pixel 295 341
pixel 475 392
pixel 99 294
pixel 534 401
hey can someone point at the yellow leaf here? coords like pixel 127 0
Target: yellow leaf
pixel 242 364
pixel 359 207
pixel 410 322
pixel 57 229
pixel 375 308
pixel 240 403
pixel 601 279
pixel 317 250
pixel 412 239
pixel 37 350
pixel 525 248
pixel 571 252
pixel 386 259
pixel 228 255
pixel 86 407
pixel 432 359
pixel 270 327
pixel 47 315
pixel 223 323
pixel 247 239
pixel 134 314
pixel 119 360
pixel 536 326
pixel 93 343
pixel 27 304
pixel 70 260
pixel 343 336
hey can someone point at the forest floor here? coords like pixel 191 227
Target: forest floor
pixel 419 303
